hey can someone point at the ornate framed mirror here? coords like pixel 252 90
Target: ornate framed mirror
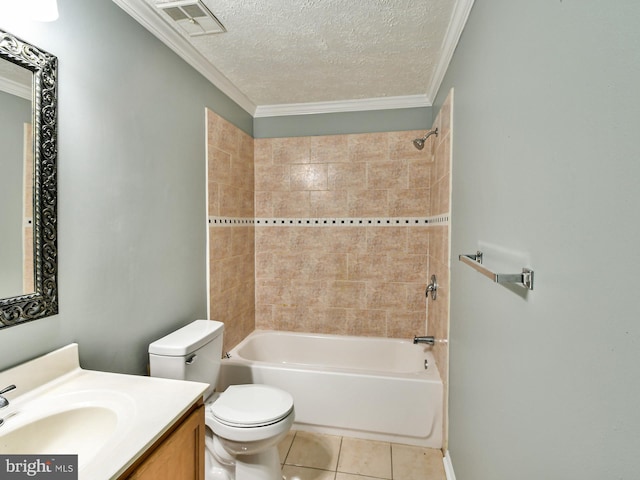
pixel 29 266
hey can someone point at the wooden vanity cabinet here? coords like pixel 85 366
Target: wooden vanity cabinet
pixel 177 455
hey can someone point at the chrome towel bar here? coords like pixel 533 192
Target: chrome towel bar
pixel 475 261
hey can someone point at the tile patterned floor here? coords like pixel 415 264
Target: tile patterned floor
pixel 313 456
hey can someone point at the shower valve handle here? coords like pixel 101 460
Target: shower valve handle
pixel 433 288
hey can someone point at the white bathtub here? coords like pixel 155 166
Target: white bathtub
pixel 373 388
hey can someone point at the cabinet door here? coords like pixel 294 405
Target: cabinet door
pixel 180 456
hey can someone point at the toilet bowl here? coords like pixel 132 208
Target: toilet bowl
pixel 244 423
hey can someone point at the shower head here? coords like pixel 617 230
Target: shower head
pixel 419 142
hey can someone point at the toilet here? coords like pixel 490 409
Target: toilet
pixel 244 423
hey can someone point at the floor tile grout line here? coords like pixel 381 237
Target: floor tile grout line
pixel 338 460
pixel 391 458
pixel 284 461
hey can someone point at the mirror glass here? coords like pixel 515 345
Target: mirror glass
pixel 28 156
pixel 16 167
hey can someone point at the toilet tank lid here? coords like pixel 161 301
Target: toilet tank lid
pixel 187 339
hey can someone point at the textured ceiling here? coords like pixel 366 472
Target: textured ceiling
pixel 300 51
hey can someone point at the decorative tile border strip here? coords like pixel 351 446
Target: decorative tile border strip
pixel 331 222
pixel 230 221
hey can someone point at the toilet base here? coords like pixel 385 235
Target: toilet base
pixel 221 465
pixel 260 466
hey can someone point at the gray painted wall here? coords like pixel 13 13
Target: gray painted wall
pixel 343 123
pixel 545 163
pixel 132 220
pixel 14 113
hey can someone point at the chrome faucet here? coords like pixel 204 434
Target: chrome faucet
pixel 3 401
pixel 430 340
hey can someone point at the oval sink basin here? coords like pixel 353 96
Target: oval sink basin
pixel 81 430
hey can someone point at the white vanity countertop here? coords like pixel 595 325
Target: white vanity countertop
pixel 134 411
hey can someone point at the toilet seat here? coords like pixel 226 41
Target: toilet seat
pixel 251 406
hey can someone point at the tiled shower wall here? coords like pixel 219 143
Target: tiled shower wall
pixel 231 248
pixel 439 251
pixel 355 280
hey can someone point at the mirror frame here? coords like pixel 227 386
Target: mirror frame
pixel 44 66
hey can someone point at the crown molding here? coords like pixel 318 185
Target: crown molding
pixel 361 105
pixel 146 16
pixel 461 12
pixel 15 88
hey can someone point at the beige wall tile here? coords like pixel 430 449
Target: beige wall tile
pixel 387 175
pixel 219 166
pixel 264 317
pixel 434 199
pixel 272 238
pixel 246 147
pixel 366 323
pixel 345 176
pixel 443 193
pixel 364 269
pixel 445 114
pixel 420 173
pixel 220 245
pixel 387 240
pixel 308 239
pixel 214 199
pixel 329 204
pixel 291 204
pixel 347 294
pixel 344 239
pixel 377 288
pixel 368 203
pixel 329 149
pixel 308 177
pixel 368 147
pixel 301 265
pixel 291 150
pixel 407 268
pixel 309 292
pixel 224 135
pixel 404 324
pixel 409 202
pixel 272 178
pixel 262 151
pixel 231 249
pixel 418 240
pixel 264 265
pixel 383 295
pixel 272 291
pixel 242 173
pixel 263 204
pixel 367 267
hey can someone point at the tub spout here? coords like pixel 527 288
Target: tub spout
pixel 428 340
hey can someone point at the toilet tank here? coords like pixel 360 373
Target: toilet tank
pixel 192 352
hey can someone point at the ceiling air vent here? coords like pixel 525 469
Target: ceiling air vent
pixel 192 17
